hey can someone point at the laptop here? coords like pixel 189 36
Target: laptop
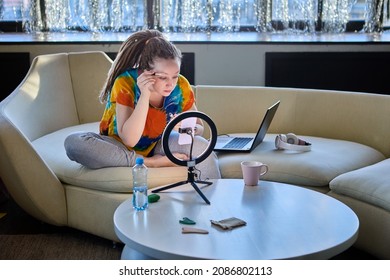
pixel 247 144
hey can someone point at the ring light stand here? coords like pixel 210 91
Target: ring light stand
pixel 191 162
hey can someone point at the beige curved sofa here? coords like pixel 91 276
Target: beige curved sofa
pixel 349 158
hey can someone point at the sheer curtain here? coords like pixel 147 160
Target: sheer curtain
pixel 305 16
pixel 86 15
pixel 376 12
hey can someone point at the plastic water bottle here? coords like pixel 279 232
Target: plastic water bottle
pixel 140 185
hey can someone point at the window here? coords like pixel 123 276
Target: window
pixel 11 10
pixel 184 15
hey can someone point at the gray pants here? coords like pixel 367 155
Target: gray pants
pixel 98 151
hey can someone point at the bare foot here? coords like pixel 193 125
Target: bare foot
pixel 163 161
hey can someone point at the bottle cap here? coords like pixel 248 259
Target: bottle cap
pixel 139 160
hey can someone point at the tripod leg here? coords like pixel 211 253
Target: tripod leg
pixel 200 192
pixel 170 186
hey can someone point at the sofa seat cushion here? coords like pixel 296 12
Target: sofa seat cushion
pixel 327 159
pixel 117 179
pixel 370 184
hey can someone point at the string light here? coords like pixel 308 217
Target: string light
pixel 197 15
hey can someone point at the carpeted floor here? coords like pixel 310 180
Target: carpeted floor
pixel 56 246
pixel 24 238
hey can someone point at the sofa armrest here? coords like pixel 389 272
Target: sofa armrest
pixel 28 179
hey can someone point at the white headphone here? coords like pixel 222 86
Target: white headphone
pixel 291 142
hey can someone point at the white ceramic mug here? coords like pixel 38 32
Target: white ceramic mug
pixel 252 171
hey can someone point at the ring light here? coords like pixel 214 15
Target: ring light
pixel 174 122
pixel 191 162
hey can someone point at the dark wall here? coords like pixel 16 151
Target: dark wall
pixel 352 71
pixel 14 67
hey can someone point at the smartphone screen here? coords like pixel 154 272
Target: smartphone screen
pixel 185 138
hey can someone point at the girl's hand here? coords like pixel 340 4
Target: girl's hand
pixel 146 82
pixel 177 126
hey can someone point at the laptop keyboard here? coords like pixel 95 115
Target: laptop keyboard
pixel 238 142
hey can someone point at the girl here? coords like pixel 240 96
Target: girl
pixel 143 91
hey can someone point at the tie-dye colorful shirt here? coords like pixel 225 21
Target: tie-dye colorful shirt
pixel 126 92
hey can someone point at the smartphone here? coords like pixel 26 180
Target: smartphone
pixel 185 138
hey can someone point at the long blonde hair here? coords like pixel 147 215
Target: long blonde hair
pixel 139 51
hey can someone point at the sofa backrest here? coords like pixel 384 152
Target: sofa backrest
pixel 60 90
pixel 88 71
pixel 43 102
pixel 360 117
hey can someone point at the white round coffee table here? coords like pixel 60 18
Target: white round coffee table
pixel 283 222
